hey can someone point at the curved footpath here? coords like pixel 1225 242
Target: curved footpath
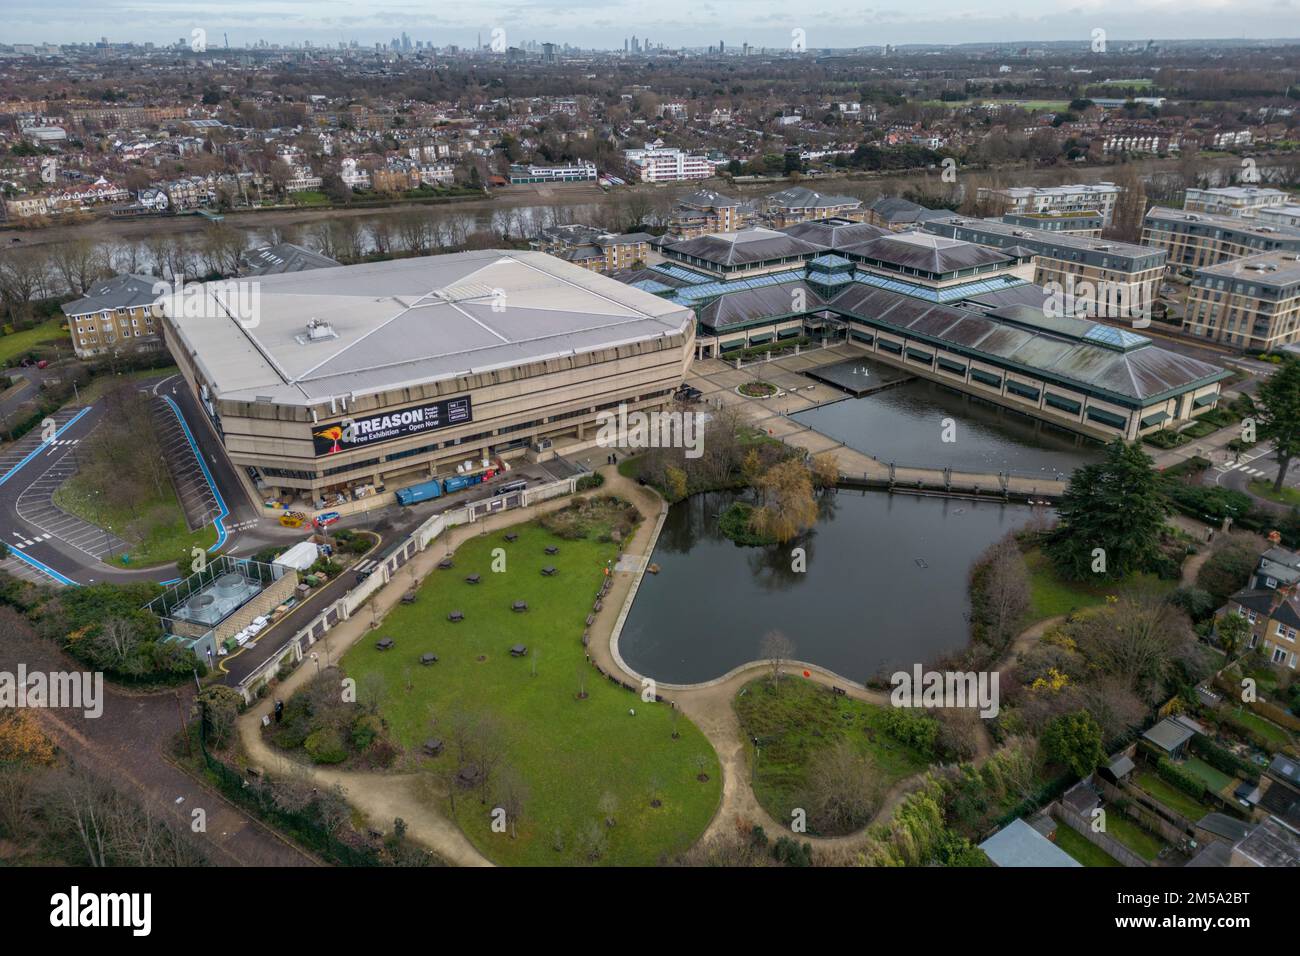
pixel 383 797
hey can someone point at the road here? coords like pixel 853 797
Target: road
pixel 129 743
pixel 50 546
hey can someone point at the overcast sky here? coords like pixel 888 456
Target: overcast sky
pixel 605 23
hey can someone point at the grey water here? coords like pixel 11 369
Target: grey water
pixel 884 586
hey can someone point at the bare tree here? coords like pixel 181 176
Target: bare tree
pixel 511 796
pixel 844 789
pixel 776 649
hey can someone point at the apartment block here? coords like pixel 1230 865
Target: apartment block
pixel 115 314
pixel 1134 271
pixel 1196 239
pixel 1233 200
pixel 1252 304
pixel 593 248
pixel 1099 197
pixel 660 164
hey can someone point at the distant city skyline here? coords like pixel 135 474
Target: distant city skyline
pixel 674 23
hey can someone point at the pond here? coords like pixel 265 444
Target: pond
pixel 905 424
pixel 885 586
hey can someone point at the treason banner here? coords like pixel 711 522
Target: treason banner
pixel 359 432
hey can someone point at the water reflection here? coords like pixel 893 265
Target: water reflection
pixel 905 424
pixel 885 586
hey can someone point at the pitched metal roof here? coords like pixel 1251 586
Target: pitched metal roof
pixel 936 255
pixel 409 321
pixel 834 233
pixel 801 197
pixel 746 247
pixel 120 292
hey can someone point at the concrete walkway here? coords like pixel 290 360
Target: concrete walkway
pixel 718 381
pixel 381 797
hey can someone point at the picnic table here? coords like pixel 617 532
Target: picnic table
pixel 385 644
pixel 552 549
pixel 519 650
pixel 429 658
pixel 473 579
pixel 519 606
pixel 456 617
pixel 444 564
pixel 433 747
pixel 512 536
pixel 548 570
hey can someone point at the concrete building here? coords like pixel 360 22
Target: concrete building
pixel 661 164
pixel 1284 215
pixel 1081 197
pixel 945 309
pixel 1195 239
pixel 801 204
pixel 706 211
pixel 1133 271
pixel 117 314
pixel 900 215
pixel 566 173
pixel 1251 303
pixel 593 248
pixel 359 378
pixel 1233 200
pixel 1086 222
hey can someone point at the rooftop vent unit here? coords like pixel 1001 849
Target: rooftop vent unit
pixel 316 331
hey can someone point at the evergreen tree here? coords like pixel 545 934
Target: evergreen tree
pixel 1278 401
pixel 1115 505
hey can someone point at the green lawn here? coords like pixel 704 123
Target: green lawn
pixel 1287 496
pixel 154 530
pixel 796 719
pixel 1213 778
pixel 101 385
pixel 17 344
pixel 1145 844
pixel 1177 800
pixel 1269 730
pixel 1051 595
pixel 1086 853
pixel 569 752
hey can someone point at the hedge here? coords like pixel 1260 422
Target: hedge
pixel 1222 759
pixel 1180 778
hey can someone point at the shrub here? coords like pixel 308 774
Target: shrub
pixel 1074 740
pixel 735 524
pixel 326 746
pixel 365 729
pixel 588 482
pixel 919 731
pixel 1228 569
pixel 1221 759
pixel 791 852
pixel 1196 603
pixel 1180 778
